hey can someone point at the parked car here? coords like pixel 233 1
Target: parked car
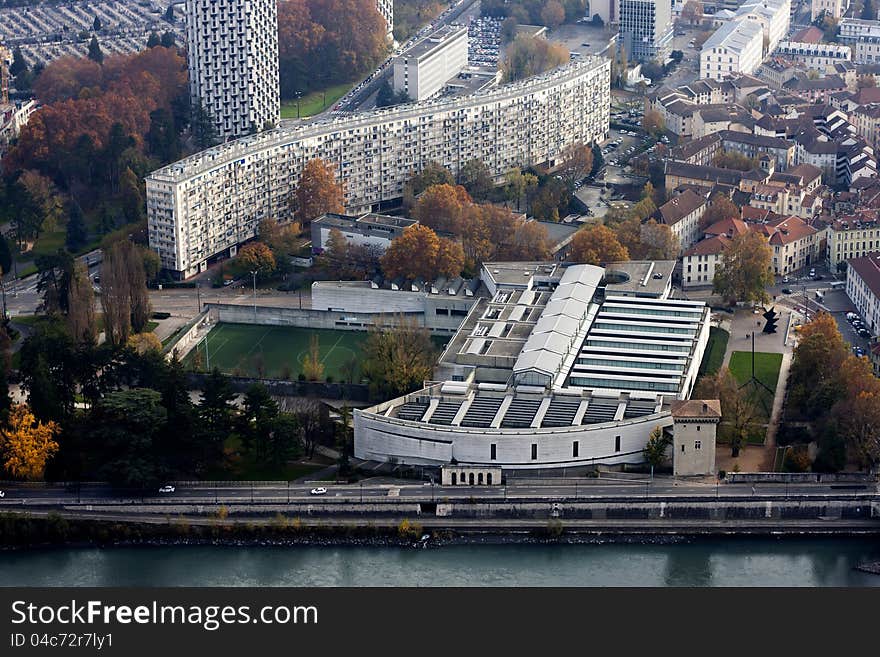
pixel 864 333
pixel 851 316
pixel 786 290
pixel 318 491
pixel 167 489
pixel 2 494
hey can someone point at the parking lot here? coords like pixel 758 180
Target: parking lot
pixel 484 41
pixel 585 39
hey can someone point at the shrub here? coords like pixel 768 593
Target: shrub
pixel 409 530
pixel 797 460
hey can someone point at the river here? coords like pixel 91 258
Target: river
pixel 705 562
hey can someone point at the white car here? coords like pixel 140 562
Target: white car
pixel 166 489
pixel 2 494
pixel 319 491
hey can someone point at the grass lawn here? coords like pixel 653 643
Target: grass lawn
pixel 766 371
pixel 239 348
pixel 714 355
pixel 315 102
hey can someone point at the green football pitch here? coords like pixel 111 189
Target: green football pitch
pixel 244 349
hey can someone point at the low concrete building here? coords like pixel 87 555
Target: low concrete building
pixel 424 69
pixel 376 230
pixel 470 475
pixel 694 428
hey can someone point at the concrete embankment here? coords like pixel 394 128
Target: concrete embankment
pixel 680 516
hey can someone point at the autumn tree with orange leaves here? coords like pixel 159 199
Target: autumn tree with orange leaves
pixel 441 207
pixel 420 253
pixel 597 245
pixel 26 444
pixel 318 192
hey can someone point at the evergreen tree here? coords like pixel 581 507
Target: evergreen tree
pixel 169 14
pixel 168 39
pixel 204 128
pixel 95 52
pixel 385 96
pixel 132 198
pixel 19 65
pixel 77 233
pixel 96 24
pixel 868 11
pixel 5 256
pixel 153 40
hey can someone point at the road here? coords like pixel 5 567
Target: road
pixel 586 490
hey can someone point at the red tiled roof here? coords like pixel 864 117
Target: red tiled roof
pixel 729 227
pixel 811 34
pixel 790 229
pixel 868 269
pixel 709 246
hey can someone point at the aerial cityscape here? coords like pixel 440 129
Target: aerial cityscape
pixel 419 273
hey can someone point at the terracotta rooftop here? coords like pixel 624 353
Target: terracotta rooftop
pixel 677 208
pixel 728 227
pixel 790 229
pixel 709 409
pixel 868 269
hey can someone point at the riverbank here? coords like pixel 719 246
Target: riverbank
pixel 44 529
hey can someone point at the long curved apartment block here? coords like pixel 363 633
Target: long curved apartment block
pixel 211 202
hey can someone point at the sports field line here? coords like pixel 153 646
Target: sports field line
pixel 257 343
pixel 330 351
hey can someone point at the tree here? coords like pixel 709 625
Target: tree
pixel 656 447
pixel 653 123
pixel 745 272
pixel 215 412
pixel 551 198
pixel 553 14
pixel 868 11
pixel 420 253
pixel 313 368
pixel 124 297
pixel 256 256
pixel 19 64
pixel 577 163
pixel 597 245
pixel 132 199
pixel 476 178
pixel 48 366
pixel 127 425
pixel 95 52
pixel 518 185
pixel 385 95
pixel 528 56
pixel 432 174
pixel 441 207
pixel 318 192
pixel 398 359
pixel 814 379
pixel 692 11
pixel 54 273
pixel 168 39
pixel 81 313
pixel 257 417
pixel 96 24
pixel 141 343
pixel 738 409
pixel 5 256
pixel 720 208
pixel 163 138
pixel 204 127
pixel 27 444
pixel 659 241
pixel 77 233
pixel 153 40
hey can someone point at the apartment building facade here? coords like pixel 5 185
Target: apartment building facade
pixel 425 68
pixel 863 288
pixel 645 29
pixel 232 55
pixel 209 203
pixel 819 56
pixel 852 236
pixel 834 8
pixel 735 47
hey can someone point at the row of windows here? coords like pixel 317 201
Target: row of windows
pixel 575 450
pixel 589 382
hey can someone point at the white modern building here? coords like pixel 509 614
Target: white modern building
pixel 210 202
pixel 232 52
pixel 645 28
pixel 734 48
pixel 774 16
pixel 386 9
pixel 424 69
pixel 560 367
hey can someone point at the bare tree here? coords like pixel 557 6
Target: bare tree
pixel 115 295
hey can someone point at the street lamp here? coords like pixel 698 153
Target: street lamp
pixel 254 274
pixel 297 95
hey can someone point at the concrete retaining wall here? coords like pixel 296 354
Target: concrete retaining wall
pixel 798 477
